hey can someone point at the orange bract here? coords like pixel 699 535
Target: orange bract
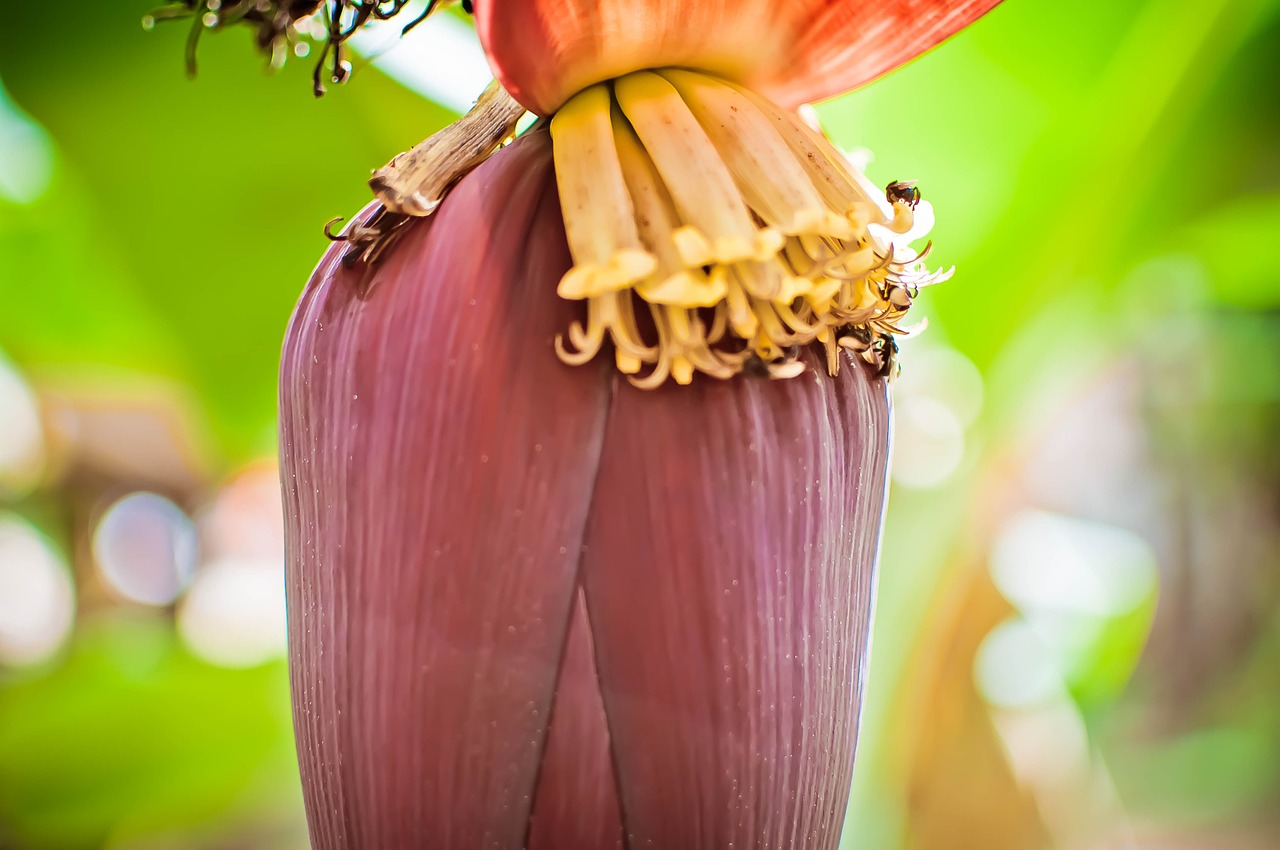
pixel 792 51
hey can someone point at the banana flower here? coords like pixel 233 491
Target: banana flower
pixel 584 475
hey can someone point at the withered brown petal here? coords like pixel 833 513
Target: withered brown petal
pixel 438 462
pixel 728 573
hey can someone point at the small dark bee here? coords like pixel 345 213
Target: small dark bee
pixel 755 367
pixel 887 359
pixel 903 190
pixel 879 351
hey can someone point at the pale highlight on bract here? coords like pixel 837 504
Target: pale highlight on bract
pixel 712 231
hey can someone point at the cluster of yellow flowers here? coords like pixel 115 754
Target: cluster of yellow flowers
pixel 741 229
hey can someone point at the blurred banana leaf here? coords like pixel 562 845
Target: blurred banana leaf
pixel 1106 179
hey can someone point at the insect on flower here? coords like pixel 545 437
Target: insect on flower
pixel 903 191
pixel 559 574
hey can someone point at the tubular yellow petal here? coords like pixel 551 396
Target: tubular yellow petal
pixel 831 175
pixel 599 220
pixel 700 184
pixel 772 181
pixel 657 220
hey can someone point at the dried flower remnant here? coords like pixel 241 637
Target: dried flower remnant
pixel 282 27
pixel 415 182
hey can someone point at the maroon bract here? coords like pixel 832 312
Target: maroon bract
pixel 541 600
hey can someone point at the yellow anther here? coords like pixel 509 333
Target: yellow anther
pixel 684 289
pixel 599 219
pixel 699 182
pixel 619 272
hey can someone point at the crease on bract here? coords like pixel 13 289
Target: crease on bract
pixel 575 804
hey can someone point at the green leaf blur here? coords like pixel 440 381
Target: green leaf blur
pixel 1106 361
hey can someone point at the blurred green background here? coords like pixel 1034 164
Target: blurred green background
pixel 1078 642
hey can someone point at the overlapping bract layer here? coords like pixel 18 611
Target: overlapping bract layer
pixel 535 608
pixel 712 230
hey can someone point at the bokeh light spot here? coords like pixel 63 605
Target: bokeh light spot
pixel 929 444
pixel 1044 561
pixel 26 166
pixel 1014 668
pixel 22 447
pixel 941 372
pixel 146 548
pixel 234 615
pixel 37 600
